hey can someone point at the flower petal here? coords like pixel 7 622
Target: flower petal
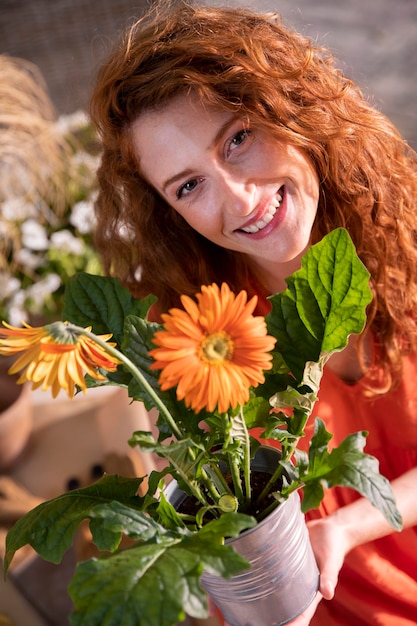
pixel 56 356
pixel 214 350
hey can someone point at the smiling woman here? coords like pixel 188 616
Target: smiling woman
pixel 227 153
pixel 235 186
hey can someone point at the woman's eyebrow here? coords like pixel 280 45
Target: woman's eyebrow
pixel 173 179
pixel 188 172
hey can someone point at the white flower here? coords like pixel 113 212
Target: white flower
pixel 28 260
pixel 87 161
pixel 34 235
pixel 65 240
pixel 83 217
pixel 17 210
pixel 31 299
pixel 67 124
pixel 8 284
pixel 43 288
pixel 16 310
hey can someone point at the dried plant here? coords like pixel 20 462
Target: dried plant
pixel 34 156
pixel 45 173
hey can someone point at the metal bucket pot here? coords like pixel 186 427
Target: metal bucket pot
pixel 283 578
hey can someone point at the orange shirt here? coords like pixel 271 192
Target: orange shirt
pixel 378 581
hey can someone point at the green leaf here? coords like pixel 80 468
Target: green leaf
pixel 318 453
pixel 136 346
pixel 114 518
pixel 256 412
pixel 184 457
pixel 49 528
pixel 324 303
pixel 167 515
pixel 347 466
pixel 313 494
pixel 115 590
pixel 228 525
pixel 352 468
pixel 101 302
pixel 137 343
pixel 293 398
pixel 273 384
pixel 238 429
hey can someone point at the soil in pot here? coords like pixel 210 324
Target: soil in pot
pixel 259 480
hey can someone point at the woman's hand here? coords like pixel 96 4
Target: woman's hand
pixel 334 536
pixel 330 546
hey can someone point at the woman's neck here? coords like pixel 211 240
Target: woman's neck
pixel 345 364
pixel 273 278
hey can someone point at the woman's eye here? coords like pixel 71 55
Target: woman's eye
pixel 239 138
pixel 189 186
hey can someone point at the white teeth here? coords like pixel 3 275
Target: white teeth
pixel 277 200
pixel 268 217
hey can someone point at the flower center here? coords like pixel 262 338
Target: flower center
pixel 62 333
pixel 216 348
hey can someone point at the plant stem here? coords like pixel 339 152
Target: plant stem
pixel 137 374
pixel 266 490
pixel 246 463
pixel 216 479
pixel 207 479
pixel 237 482
pixel 294 486
pixel 166 415
pixel 287 451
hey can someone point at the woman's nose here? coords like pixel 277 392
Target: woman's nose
pixel 239 196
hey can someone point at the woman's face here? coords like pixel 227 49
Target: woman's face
pixel 235 185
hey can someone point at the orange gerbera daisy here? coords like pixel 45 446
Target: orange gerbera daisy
pixel 214 350
pixel 57 355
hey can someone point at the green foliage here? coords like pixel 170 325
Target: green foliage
pixel 101 302
pixel 49 528
pixel 160 563
pixel 155 580
pixel 346 466
pixel 324 303
pixel 155 583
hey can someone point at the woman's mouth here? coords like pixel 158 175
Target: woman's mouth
pixel 267 217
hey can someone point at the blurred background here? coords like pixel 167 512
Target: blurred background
pixel 376 43
pixel 49 54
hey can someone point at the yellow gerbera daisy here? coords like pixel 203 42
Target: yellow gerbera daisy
pixel 56 356
pixel 214 350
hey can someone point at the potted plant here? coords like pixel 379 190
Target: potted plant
pixel 214 372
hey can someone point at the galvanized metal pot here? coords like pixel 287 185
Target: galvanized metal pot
pixel 283 578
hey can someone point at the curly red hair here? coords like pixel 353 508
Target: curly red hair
pixel 238 60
